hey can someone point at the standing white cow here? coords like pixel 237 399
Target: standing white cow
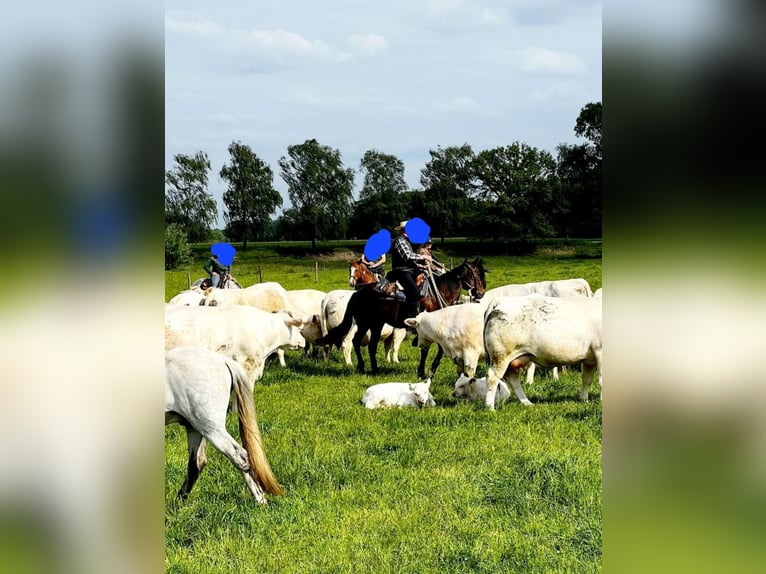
pixel 459 332
pixel 334 308
pixel 307 304
pixel 398 395
pixel 475 389
pixel 548 331
pixel 243 333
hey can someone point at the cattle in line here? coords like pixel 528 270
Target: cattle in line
pixel 334 308
pixel 198 385
pixel 475 389
pixel 548 331
pixel 457 330
pixel 399 395
pixel 559 288
pixel 245 334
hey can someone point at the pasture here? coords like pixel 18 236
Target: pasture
pixel 451 488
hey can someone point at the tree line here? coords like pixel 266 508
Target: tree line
pixel 511 193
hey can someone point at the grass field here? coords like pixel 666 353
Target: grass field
pixel 455 488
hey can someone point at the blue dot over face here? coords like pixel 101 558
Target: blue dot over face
pixel 224 251
pixel 417 230
pixel 378 244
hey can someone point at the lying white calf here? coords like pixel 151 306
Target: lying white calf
pixel 476 390
pixel 398 395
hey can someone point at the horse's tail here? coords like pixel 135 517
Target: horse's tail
pixel 251 434
pixel 336 335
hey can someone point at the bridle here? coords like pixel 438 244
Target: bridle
pixel 473 290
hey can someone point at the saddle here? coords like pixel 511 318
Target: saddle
pixel 393 291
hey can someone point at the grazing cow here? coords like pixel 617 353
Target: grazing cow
pixel 334 308
pixel 398 395
pixel 243 333
pixel 560 288
pixel 459 332
pixel 476 390
pixel 548 331
pixel 198 384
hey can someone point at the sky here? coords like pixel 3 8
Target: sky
pixel 399 76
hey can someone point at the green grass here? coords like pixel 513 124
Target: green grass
pixel 454 488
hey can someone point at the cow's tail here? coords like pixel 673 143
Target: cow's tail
pixel 260 468
pixel 336 335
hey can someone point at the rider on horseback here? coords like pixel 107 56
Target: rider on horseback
pixel 407 265
pixel 217 271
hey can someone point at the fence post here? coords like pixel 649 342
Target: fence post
pixel 450 263
pixel 188 279
pixel 260 277
pixel 316 271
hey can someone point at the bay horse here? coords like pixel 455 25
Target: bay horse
pixel 198 384
pixel 371 309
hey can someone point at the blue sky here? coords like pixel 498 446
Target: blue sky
pixel 401 76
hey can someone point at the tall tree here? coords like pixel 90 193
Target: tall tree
pixel 250 198
pixel 589 125
pixel 446 180
pixel 320 188
pixel 379 202
pixel 517 184
pixel 187 203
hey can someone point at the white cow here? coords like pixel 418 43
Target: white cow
pixel 398 395
pixel 243 333
pixel 459 332
pixel 597 292
pixel 307 304
pixel 560 288
pixel 548 331
pixel 476 390
pixel 188 298
pixel 334 307
pixel 269 296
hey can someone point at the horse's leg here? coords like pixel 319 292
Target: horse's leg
pixel 357 341
pixel 422 364
pixel 232 450
pixel 197 460
pixel 375 331
pixel 437 360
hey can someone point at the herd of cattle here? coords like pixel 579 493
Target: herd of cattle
pixel 548 323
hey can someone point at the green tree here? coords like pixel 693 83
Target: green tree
pixel 446 181
pixel 320 188
pixel 177 250
pixel 588 125
pixel 379 204
pixel 187 203
pixel 516 185
pixel 579 211
pixel 250 199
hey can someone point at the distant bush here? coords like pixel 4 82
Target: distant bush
pixel 177 250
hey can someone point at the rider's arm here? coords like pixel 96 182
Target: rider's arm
pixel 405 250
pixel 208 267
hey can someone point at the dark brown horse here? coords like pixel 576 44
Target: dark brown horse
pixel 371 309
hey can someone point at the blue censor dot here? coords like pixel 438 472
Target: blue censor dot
pixel 417 230
pixel 378 244
pixel 225 252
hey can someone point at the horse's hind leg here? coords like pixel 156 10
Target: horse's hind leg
pixel 437 360
pixel 373 347
pixel 232 450
pixel 357 341
pixel 197 460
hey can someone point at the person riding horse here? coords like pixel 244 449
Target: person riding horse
pixel 435 266
pixel 407 265
pixel 218 271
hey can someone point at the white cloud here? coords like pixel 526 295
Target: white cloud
pixel 544 61
pixel 462 105
pixel 200 27
pixel 489 17
pixel 369 43
pixel 282 40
